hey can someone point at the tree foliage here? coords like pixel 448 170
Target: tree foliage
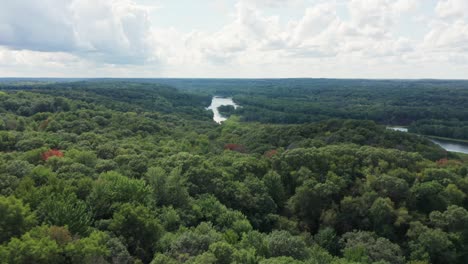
pixel 136 172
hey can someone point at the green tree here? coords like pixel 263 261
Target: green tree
pixel 453 195
pixel 15 218
pixel 368 247
pixel 163 259
pixel 223 252
pixel 19 168
pixel 50 245
pixel 427 196
pixel 194 241
pixel 112 189
pixel 66 210
pixel 140 229
pixel 36 246
pixel 282 243
pixel 275 187
pixel 382 213
pixel 429 244
pixel 311 198
pixel 169 188
pixel 91 249
pixel 392 187
pixel 257 241
pixel 281 260
pixel 454 219
pixel 327 239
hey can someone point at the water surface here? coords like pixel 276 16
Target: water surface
pixel 218 101
pixel 452 146
pixel 401 129
pixel 449 145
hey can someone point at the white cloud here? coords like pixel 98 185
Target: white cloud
pixel 452 9
pixel 352 38
pixel 111 31
pixel 272 3
pixel 448 35
pixel 36 25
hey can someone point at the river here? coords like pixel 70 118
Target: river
pixel 453 146
pixel 449 145
pixel 216 102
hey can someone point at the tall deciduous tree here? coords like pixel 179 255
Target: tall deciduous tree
pixel 15 218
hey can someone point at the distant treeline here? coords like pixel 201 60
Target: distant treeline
pixel 431 107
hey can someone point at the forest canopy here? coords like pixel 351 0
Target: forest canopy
pixel 121 171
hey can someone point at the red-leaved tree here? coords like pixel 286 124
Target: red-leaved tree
pixel 52 153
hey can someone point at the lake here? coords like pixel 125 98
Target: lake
pixel 216 102
pixel 449 145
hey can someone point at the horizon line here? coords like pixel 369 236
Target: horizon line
pixel 240 78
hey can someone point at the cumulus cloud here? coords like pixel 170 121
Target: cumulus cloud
pixel 36 25
pixel 452 9
pixel 448 35
pixel 248 31
pixel 259 40
pixel 369 35
pixel 112 31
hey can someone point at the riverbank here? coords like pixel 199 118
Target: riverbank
pixel 448 139
pixel 449 144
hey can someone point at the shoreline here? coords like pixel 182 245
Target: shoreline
pixel 463 141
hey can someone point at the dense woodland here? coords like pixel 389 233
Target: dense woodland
pixel 429 107
pixel 137 172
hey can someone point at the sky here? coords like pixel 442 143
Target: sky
pixel 234 38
